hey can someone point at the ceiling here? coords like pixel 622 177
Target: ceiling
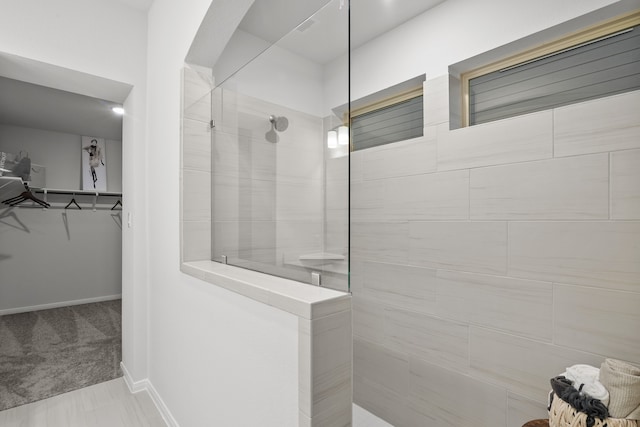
pixel 142 5
pixel 41 96
pixel 29 105
pixel 322 38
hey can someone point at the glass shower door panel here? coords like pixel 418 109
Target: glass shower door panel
pixel 275 208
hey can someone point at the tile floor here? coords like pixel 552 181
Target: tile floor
pixel 110 404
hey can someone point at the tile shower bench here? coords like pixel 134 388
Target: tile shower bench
pixel 324 336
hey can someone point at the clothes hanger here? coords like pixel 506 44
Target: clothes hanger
pixel 116 205
pixel 73 200
pixel 24 196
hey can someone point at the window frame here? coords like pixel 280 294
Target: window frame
pixel 378 105
pixel 603 29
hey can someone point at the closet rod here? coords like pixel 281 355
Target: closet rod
pixel 78 192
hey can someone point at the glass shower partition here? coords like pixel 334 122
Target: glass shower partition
pixel 280 145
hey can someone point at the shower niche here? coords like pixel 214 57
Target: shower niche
pixel 279 183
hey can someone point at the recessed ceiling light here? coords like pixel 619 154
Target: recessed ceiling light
pixel 118 110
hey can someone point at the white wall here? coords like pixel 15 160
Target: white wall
pixel 61 154
pixel 451 32
pixel 108 40
pixel 215 355
pixel 55 257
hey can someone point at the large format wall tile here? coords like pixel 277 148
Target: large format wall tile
pixel 521 365
pixel 196 95
pixel 380 401
pixel 470 246
pixel 244 157
pixel 332 357
pixel 196 195
pixel 602 254
pixel 517 139
pixel 356 165
pixel 454 399
pixel 196 145
pixel 597 320
pixel 404 286
pixel 380 241
pixel 367 199
pixel 242 199
pixel 439 341
pixel 368 318
pixel 625 185
pixel 433 196
pixel 381 365
pixel 197 234
pixel 522 307
pixel 443 196
pixel 569 188
pixel 410 157
pixel 300 200
pixel 521 410
pixel 605 124
pixel 436 100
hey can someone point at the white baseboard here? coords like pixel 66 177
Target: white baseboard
pixel 146 386
pixel 58 304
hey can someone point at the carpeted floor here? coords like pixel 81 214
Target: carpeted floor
pixel 49 352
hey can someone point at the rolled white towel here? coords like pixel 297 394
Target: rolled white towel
pixel 585 378
pixel 622 379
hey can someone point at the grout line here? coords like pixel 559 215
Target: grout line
pixel 553 133
pixel 609 198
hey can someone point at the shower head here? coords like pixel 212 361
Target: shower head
pixel 279 123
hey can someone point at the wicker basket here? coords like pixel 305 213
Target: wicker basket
pixel 561 414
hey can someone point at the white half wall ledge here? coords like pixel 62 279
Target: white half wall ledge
pixel 303 300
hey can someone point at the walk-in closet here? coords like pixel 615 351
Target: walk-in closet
pixel 60 238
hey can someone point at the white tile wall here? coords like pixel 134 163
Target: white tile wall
pixel 196 153
pixel 569 188
pixel 380 401
pixel 445 343
pixel 521 365
pixel 435 196
pixel 625 184
pixel 404 286
pixel 196 98
pixel 521 410
pixel 597 320
pixel 600 125
pixel 602 254
pixel 536 265
pixel 436 101
pixel 196 195
pixel 331 370
pixel 469 246
pixel 380 241
pixel 454 399
pixel 198 236
pixel 517 139
pixel 384 366
pixel 411 157
pixel 522 307
pixel 368 318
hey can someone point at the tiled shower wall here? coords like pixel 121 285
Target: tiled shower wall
pixel 268 196
pixel 195 173
pixel 487 259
